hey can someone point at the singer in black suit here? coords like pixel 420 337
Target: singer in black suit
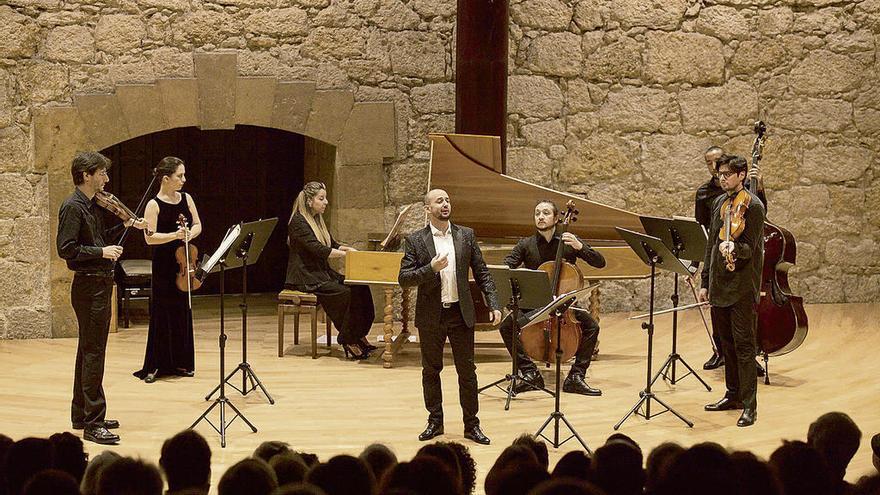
pixel 436 260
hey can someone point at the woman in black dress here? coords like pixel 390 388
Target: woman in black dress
pixel 350 307
pixel 170 340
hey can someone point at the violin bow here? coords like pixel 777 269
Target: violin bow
pixel 139 206
pixel 189 294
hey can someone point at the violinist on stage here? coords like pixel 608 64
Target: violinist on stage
pixel 170 349
pixel 81 242
pixel 704 201
pixel 532 252
pixel 731 282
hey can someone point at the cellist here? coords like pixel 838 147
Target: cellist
pixel 731 282
pixel 531 252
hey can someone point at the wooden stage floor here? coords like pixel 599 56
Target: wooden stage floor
pixel 331 406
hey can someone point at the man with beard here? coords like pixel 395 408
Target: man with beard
pixel 532 252
pixel 436 260
pixel 734 293
pixel 705 197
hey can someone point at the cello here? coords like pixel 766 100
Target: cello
pixel 782 321
pixel 539 339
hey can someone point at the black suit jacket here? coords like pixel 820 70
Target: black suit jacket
pixel 415 270
pixel 307 266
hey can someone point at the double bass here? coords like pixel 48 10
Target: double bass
pixel 539 339
pixel 782 321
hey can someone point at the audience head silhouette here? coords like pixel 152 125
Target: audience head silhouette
pixel 186 462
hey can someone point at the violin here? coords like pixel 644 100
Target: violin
pixel 113 204
pixel 540 339
pixel 733 212
pixel 187 261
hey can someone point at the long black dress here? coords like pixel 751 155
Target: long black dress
pixel 350 307
pixel 170 339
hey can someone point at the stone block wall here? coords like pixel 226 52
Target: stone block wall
pixel 618 99
pixel 612 99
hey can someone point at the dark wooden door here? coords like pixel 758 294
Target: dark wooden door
pixel 233 175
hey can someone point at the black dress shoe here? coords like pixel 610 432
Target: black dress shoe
pixel 110 424
pixel 99 434
pixel 748 418
pixel 184 372
pixel 575 384
pixel 725 404
pixel 531 380
pixel 716 361
pixel 431 431
pixel 761 370
pixel 474 433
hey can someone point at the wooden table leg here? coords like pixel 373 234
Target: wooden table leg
pixel 388 355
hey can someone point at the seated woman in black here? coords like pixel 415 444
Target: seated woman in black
pixel 350 307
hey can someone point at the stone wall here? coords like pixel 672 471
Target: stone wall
pixel 617 99
pixel 612 99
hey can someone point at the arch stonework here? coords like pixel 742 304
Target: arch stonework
pixel 346 141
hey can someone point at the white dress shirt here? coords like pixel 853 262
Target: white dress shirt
pixel 443 244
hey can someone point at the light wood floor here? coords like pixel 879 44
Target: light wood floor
pixel 331 406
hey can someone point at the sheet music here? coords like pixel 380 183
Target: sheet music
pixel 228 239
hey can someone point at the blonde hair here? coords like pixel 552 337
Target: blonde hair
pixel 301 205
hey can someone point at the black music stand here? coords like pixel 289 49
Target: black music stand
pixel 216 262
pixel 514 284
pixel 654 253
pixel 247 248
pixel 686 240
pixel 555 309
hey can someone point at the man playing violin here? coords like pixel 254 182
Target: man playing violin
pixel 532 252
pixel 705 198
pixel 731 282
pixel 82 244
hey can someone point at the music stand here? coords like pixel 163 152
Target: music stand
pixel 555 309
pixel 515 284
pixel 247 248
pixel 654 253
pixel 686 239
pixel 216 262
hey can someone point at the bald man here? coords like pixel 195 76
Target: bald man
pixel 436 260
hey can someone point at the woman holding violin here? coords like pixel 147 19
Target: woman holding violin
pixel 731 282
pixel 173 217
pixel 532 252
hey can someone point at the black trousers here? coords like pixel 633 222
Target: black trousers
pixel 431 343
pixel 90 296
pixel 350 308
pixel 583 356
pixel 736 327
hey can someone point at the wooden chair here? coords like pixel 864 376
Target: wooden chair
pixel 300 302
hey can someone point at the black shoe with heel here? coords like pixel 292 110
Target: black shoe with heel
pixel 366 345
pixel 151 376
pixel 354 352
